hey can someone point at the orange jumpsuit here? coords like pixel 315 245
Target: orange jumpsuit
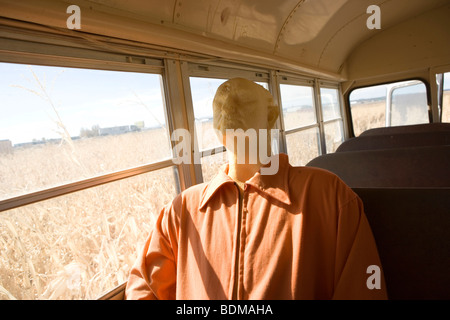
pixel 301 234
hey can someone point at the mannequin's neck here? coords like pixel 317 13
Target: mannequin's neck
pixel 241 172
pixel 243 168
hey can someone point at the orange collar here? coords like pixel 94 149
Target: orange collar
pixel 275 186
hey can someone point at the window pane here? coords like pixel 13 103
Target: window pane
pixel 409 105
pixel 368 108
pixel 61 125
pixel 334 135
pixel 80 245
pixel 203 91
pixel 446 99
pixel 298 106
pixel 330 104
pixel 211 165
pixel 302 146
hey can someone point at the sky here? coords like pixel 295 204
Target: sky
pixel 203 91
pixel 32 98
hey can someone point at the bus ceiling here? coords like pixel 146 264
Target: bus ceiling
pixel 334 39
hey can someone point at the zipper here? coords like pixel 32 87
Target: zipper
pixel 238 244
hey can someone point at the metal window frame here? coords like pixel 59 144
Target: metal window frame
pixel 32 47
pixel 431 93
pixel 50 193
pixel 437 87
pixel 290 79
pixel 390 88
pixel 337 87
pixel 309 84
pixel 316 84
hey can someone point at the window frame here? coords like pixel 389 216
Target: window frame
pixel 52 50
pixel 440 84
pixel 337 87
pixel 390 94
pixel 304 82
pixel 317 85
pixel 431 109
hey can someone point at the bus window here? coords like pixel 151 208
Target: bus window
pixel 446 98
pixel 82 244
pixel 368 106
pixel 303 146
pixel 395 104
pixel 203 91
pixel 69 126
pixel 298 106
pixel 300 123
pixel 330 104
pixel 408 105
pixel 331 111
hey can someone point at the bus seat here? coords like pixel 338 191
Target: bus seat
pixel 403 167
pixel 411 230
pixel 400 140
pixel 426 127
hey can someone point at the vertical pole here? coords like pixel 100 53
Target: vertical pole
pixel 319 114
pixel 176 101
pixel 274 86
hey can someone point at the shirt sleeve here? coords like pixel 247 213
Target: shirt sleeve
pixel 358 271
pixel 153 276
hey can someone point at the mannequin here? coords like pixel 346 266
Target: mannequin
pixel 295 233
pixel 244 110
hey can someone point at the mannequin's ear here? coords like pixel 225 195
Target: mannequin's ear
pixel 272 115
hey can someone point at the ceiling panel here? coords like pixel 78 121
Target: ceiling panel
pixel 320 34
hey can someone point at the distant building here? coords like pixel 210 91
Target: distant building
pixel 6 147
pixel 140 124
pixel 117 130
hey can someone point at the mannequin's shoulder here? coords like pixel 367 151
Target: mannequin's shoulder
pixel 194 192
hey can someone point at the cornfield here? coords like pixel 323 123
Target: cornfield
pixel 78 245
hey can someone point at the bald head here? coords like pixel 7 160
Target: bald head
pixel 242 104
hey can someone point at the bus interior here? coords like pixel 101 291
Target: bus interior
pixel 93 91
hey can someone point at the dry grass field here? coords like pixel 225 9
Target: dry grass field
pixel 366 116
pixel 79 245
